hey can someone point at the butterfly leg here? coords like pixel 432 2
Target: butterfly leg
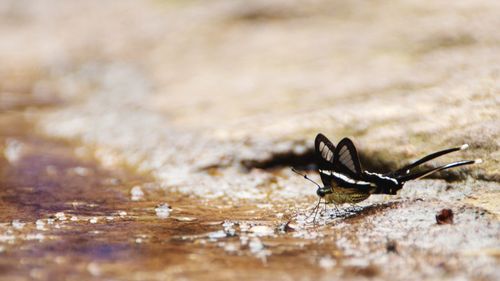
pixel 323 212
pixel 336 208
pixel 315 214
pixel 315 209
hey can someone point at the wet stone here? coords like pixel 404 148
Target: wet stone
pixel 174 108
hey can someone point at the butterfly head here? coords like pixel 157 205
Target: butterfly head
pixel 322 191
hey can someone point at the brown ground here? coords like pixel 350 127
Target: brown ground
pixel 204 106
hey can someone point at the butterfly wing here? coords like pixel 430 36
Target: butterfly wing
pixel 346 160
pixel 324 157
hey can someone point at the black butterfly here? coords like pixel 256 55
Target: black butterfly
pixel 344 181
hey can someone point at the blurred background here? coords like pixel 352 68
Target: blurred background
pixel 257 72
pixel 215 100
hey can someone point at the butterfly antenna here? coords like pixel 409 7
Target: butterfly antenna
pixel 306 177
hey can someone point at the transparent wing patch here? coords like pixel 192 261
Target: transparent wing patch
pixel 346 159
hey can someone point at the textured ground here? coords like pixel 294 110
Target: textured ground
pixel 108 110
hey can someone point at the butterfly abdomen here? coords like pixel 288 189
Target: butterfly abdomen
pixel 341 197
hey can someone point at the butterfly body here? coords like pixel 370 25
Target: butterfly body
pixel 341 196
pixel 345 182
pixel 343 189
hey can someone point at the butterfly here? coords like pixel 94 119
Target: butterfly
pixel 344 180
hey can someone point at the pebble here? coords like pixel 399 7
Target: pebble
pixel 243 240
pixel 262 230
pixel 185 219
pixel 17 224
pixel 255 245
pixel 7 238
pixel 217 234
pixel 40 225
pixel 327 262
pixel 137 193
pixel 60 216
pixel 163 211
pixel 13 150
pixel 94 269
pixel 37 236
pixel 81 171
pixel 244 227
pixel 231 247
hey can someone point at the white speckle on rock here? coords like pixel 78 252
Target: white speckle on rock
pixel 139 240
pixel 231 247
pixel 17 224
pixel 81 171
pixel 227 224
pixel 110 218
pixel 37 236
pixel 217 234
pixel 257 248
pixel 122 213
pixel 7 238
pixel 61 216
pixel 358 262
pixel 244 227
pixel 137 193
pixel 228 228
pixel 243 240
pixel 255 245
pixel 327 262
pixel 93 220
pixel 40 225
pixel 13 150
pixel 163 211
pixel 185 219
pixel 94 269
pixel 262 230
pixel 73 218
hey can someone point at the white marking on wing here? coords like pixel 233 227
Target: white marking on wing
pixel 344 177
pixel 349 180
pixel 383 177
